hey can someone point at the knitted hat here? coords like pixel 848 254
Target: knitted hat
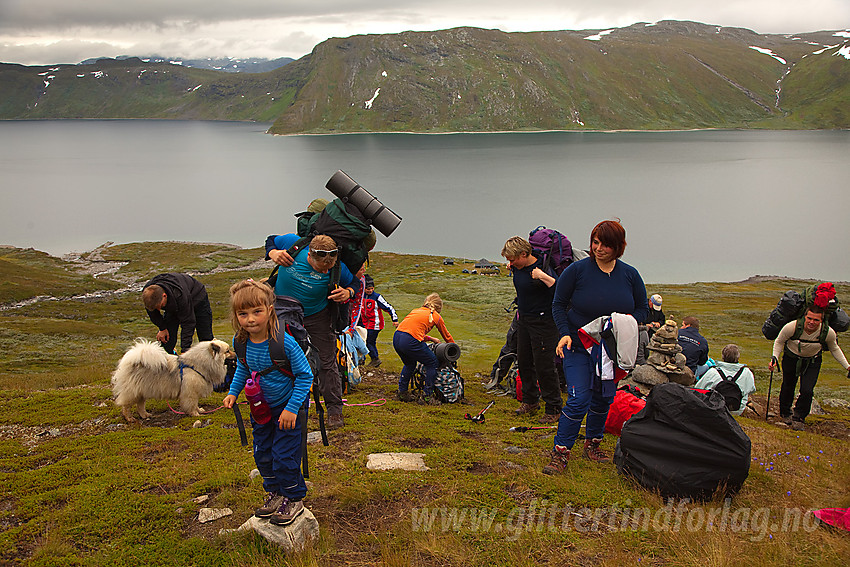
pixel 369 281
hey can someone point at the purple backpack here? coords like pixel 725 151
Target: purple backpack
pixel 555 247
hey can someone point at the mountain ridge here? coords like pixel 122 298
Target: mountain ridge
pixel 661 76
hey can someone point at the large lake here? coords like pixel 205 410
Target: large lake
pixel 697 206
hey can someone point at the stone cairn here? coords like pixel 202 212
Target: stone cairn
pixel 665 362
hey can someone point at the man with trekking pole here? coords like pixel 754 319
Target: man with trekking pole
pixel 801 344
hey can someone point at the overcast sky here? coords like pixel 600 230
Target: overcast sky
pixel 38 32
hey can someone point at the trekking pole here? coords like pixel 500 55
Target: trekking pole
pixel 243 438
pixel 523 428
pixel 480 417
pixel 773 363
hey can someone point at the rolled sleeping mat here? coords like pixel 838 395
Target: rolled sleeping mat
pixel 381 217
pixel 446 352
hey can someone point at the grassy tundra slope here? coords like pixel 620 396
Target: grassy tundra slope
pixel 81 487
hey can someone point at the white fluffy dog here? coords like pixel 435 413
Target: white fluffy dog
pixel 146 371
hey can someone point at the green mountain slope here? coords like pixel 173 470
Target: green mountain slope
pixel 131 88
pixel 668 75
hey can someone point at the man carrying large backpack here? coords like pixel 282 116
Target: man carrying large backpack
pixel 307 278
pixel 801 344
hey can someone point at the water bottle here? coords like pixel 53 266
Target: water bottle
pixel 260 410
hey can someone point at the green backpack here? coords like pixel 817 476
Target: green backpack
pixel 831 317
pixel 343 222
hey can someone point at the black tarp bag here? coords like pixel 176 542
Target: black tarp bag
pixel 684 444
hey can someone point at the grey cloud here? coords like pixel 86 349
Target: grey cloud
pixel 275 28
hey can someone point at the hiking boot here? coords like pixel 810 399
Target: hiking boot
pixel 335 421
pixel 594 453
pixel 525 408
pixel 405 396
pixel 429 400
pixel 375 362
pixel 549 418
pixel 798 425
pixel 559 459
pixel 786 419
pixel 270 505
pixel 287 512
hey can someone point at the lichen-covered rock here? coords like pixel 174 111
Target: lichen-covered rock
pixel 292 537
pixel 648 375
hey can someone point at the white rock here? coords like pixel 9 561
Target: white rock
pixel 396 461
pixel 292 537
pixel 201 499
pixel 314 437
pixel 211 514
pixel 254 474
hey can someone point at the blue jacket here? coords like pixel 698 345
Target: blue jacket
pixel 694 347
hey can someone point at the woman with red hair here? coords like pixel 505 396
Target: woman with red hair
pixel 594 287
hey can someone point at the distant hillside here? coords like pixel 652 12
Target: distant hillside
pixel 227 64
pixel 669 75
pixel 131 88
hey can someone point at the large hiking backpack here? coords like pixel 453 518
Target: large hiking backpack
pixel 448 385
pixel 343 222
pixel 556 249
pixel 793 305
pixel 684 443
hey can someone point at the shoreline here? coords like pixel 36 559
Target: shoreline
pixel 91 263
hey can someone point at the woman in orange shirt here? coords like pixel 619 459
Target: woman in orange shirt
pixel 409 342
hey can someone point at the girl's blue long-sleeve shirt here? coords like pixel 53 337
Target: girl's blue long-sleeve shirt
pixel 584 292
pixel 277 387
pixel 302 282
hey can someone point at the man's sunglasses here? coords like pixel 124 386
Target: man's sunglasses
pixel 324 253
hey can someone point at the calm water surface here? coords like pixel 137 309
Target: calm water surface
pixel 697 206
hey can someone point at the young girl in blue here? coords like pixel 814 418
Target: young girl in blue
pixel 277 444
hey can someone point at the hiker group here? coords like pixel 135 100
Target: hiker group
pixel 583 326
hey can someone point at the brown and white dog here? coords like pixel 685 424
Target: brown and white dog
pixel 146 372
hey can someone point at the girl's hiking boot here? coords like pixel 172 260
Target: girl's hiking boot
pixel 429 400
pixel 272 503
pixel 559 459
pixel 287 512
pixel 405 396
pixel 525 409
pixel 594 453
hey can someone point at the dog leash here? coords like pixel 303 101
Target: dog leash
pixel 206 412
pixel 378 402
